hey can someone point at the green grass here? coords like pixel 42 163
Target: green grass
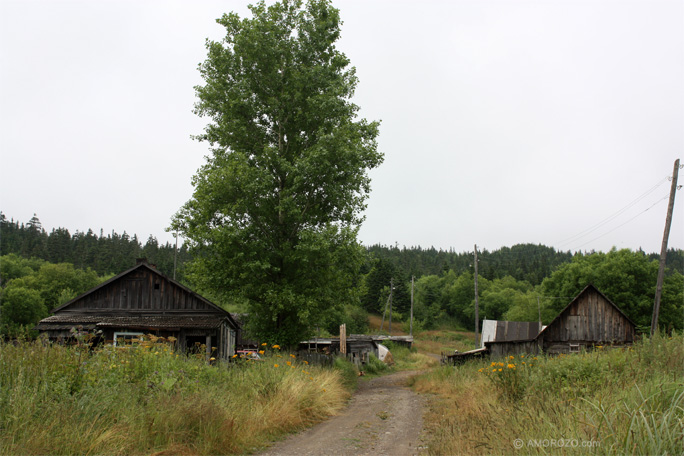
pixel 147 399
pixel 606 402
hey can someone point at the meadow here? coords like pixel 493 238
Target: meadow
pixel 146 399
pixel 610 401
pixel 149 400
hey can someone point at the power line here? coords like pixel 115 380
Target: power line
pixel 610 218
pixel 608 232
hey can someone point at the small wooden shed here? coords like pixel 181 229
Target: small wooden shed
pixel 142 301
pixel 590 319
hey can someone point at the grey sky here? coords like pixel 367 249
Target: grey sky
pixel 503 122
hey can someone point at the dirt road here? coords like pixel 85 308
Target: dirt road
pixel 384 417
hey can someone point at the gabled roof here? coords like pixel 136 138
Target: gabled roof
pixel 144 265
pixel 588 288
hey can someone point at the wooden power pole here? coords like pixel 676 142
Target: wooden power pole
pixel 411 325
pixel 477 306
pixel 390 304
pixel 663 250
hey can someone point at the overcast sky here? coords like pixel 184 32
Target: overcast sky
pixel 503 122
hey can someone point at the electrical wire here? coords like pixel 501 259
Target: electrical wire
pixel 640 213
pixel 610 218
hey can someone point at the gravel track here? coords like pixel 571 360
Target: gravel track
pixel 384 417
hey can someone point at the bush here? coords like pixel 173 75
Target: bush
pixel 375 366
pixel 348 371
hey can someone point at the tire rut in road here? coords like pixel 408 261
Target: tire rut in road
pixel 384 417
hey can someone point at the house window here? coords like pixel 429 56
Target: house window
pixel 126 338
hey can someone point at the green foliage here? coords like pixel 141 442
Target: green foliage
pixel 348 372
pixel 21 307
pixel 111 254
pixel 147 399
pixel 627 278
pixel 32 288
pixel 524 262
pixel 610 401
pixel 276 208
pixel 351 315
pixel 374 366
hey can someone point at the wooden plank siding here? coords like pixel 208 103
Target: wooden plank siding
pixel 136 292
pixel 144 300
pixel 590 319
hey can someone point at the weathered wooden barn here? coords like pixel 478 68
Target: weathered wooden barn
pixel 143 301
pixel 590 319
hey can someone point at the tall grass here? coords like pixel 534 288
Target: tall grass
pixel 147 400
pixel 617 401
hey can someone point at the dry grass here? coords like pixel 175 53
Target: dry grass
pixel 444 341
pixel 610 402
pixel 374 322
pixel 147 400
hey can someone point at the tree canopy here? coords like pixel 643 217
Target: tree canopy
pixel 276 208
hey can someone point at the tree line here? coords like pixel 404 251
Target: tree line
pixel 105 254
pixel 520 283
pixel 524 282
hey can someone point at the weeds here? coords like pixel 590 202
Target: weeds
pixel 617 401
pixel 148 399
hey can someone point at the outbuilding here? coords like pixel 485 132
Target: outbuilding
pixel 143 301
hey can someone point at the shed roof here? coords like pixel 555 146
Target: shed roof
pixel 56 322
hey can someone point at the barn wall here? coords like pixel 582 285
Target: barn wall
pixel 140 291
pixel 590 319
pixel 515 348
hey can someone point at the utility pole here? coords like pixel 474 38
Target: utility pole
pixel 411 326
pixel 390 303
pixel 663 250
pixel 175 255
pixel 477 306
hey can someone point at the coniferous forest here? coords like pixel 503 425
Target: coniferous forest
pixel 40 270
pixel 109 253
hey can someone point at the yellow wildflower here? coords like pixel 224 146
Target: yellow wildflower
pixel 289 363
pixel 275 365
pixel 261 352
pixel 511 366
pixel 264 344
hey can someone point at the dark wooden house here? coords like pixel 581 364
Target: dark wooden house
pixel 590 319
pixel 144 301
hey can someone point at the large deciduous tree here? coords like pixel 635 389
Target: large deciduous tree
pixel 275 210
